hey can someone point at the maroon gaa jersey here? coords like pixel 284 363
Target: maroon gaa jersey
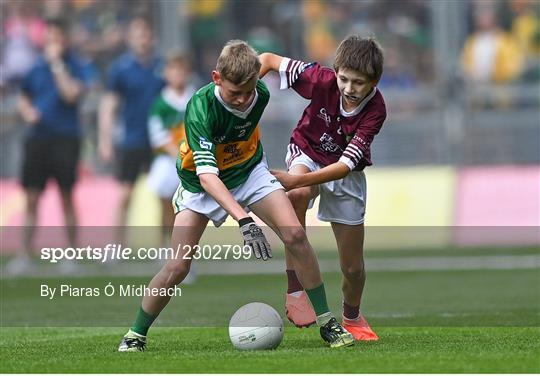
pixel 326 132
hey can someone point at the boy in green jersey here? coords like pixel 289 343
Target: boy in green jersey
pixel 165 130
pixel 222 171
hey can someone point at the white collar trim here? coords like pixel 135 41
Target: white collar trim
pixel 178 102
pixel 233 111
pixel 359 108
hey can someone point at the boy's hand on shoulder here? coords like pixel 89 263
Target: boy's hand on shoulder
pixel 287 180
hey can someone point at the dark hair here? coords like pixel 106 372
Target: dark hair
pixel 364 55
pixel 61 24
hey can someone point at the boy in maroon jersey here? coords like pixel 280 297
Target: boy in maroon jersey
pixel 328 150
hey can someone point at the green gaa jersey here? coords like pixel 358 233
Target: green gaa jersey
pixel 219 139
pixel 166 121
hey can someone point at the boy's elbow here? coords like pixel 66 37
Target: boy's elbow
pixel 203 179
pixel 206 180
pixel 269 61
pixel 263 58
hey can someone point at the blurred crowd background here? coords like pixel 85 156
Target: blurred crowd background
pixel 461 82
pixel 461 78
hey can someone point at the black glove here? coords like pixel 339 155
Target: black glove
pixel 254 238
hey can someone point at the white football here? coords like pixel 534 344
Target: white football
pixel 256 326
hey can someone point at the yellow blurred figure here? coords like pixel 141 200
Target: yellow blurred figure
pixel 491 55
pixel 205 8
pixel 526 27
pixel 319 40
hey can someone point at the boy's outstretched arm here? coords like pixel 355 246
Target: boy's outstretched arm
pixel 269 62
pixel 251 232
pixel 335 171
pixel 213 185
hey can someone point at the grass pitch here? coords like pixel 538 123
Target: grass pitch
pixel 207 350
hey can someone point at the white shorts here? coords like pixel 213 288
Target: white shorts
pixel 341 201
pixel 163 178
pixel 259 184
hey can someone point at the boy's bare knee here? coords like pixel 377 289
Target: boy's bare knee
pixel 294 238
pixel 175 272
pixel 354 272
pixel 299 196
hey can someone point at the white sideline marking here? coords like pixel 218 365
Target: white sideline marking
pixel 380 264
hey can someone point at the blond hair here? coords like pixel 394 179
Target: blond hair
pixel 238 62
pixel 363 55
